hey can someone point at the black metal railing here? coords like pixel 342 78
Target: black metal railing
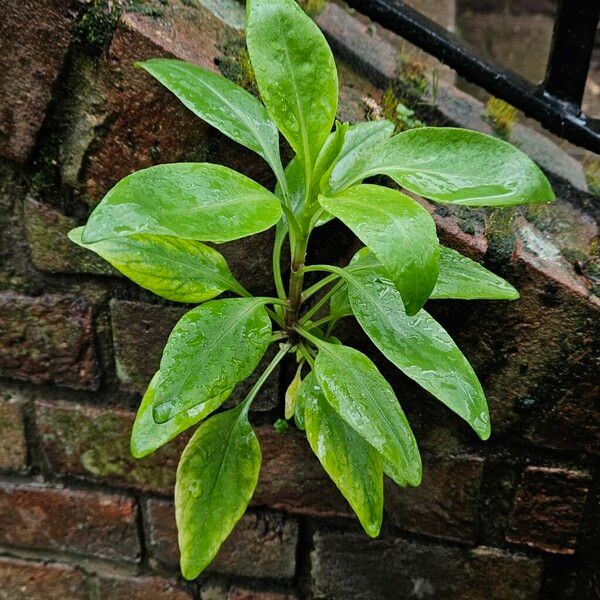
pixel 555 103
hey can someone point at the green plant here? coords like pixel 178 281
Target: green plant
pixel 501 116
pixel 152 225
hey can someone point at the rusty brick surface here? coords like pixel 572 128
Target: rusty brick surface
pixel 548 508
pixel 13 445
pixel 27 580
pixel 48 339
pixel 262 545
pixel 82 522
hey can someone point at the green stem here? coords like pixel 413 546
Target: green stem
pixel 313 289
pixel 296 281
pixel 274 316
pixel 324 320
pixel 309 336
pixel 321 302
pixel 277 246
pixel 307 356
pixel 277 335
pixel 264 376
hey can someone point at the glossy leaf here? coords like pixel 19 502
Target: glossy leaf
pixel 328 155
pixel 225 105
pixel 459 278
pixel 358 392
pixel 211 349
pixel 295 73
pixel 362 140
pixel 292 393
pixel 194 201
pixel 352 463
pixel 147 435
pixel 176 269
pixel 459 166
pixel 216 478
pixel 399 231
pixel 464 279
pixel 418 346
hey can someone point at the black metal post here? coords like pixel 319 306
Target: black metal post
pixel 556 113
pixel 572 44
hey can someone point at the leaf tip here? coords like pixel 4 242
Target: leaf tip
pixel 75 235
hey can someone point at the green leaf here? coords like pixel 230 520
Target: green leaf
pixel 147 436
pixel 353 464
pixel 364 399
pixel 361 141
pixel 223 104
pixel 292 393
pixel 328 156
pixel 194 201
pixel 216 478
pixel 211 349
pixel 418 346
pixel 464 279
pixel 460 278
pixel 459 166
pixel 300 405
pixel 295 72
pixel 400 233
pixel 176 269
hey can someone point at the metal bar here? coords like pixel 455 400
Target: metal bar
pixel 571 51
pixel 558 116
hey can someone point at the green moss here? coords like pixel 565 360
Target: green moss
pixel 235 64
pixel 501 117
pixel 592 175
pixel 500 230
pixel 96 27
pixel 394 110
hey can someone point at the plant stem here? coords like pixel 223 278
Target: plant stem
pixel 296 281
pixel 278 244
pixel 307 356
pixel 265 374
pixel 313 289
pixel 321 302
pixel 324 320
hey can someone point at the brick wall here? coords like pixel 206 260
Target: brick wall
pixel 517 517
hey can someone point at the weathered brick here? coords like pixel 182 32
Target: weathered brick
pixel 573 423
pixel 444 505
pixel 292 479
pixel 139 588
pixel 25 580
pixel 140 332
pixel 345 564
pixel 93 442
pixel 218 592
pixel 48 339
pixel 261 545
pixel 548 508
pixel 497 575
pixel 50 248
pixel 77 521
pixel 244 594
pixel 13 446
pixel 29 67
pixel 142 123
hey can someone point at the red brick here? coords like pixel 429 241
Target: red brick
pixel 13 446
pixel 547 509
pixel 76 521
pixel 29 66
pixel 48 339
pixel 243 594
pixel 25 580
pixel 93 442
pixel 498 575
pixel 292 479
pixel 50 248
pixel 140 332
pixel 444 505
pixel 139 588
pixel 143 124
pixel 261 545
pixel 573 423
